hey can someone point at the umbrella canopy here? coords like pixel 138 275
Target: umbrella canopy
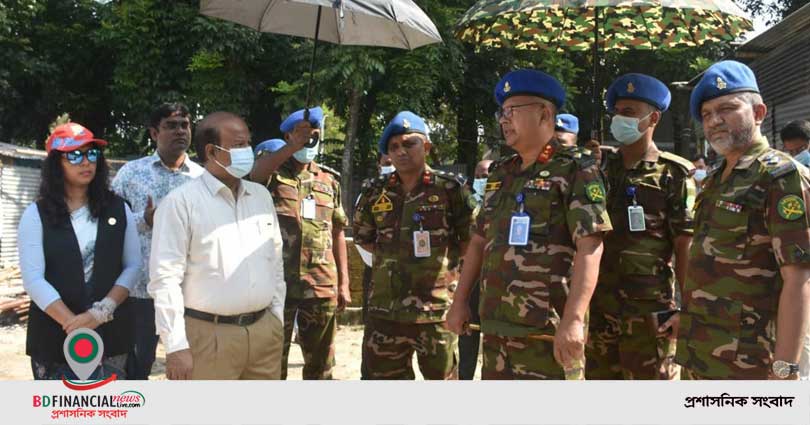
pixel 575 25
pixel 385 23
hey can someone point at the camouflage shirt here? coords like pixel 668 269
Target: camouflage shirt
pixel 746 228
pixel 637 265
pixel 523 288
pixel 405 288
pixel 309 263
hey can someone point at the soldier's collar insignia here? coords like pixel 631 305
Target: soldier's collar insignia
pixel 546 154
pixel 790 207
pixel 406 124
pixel 492 186
pixel 382 204
pixel 720 83
pixel 631 88
pixel 433 198
pixel 507 88
pixel 595 192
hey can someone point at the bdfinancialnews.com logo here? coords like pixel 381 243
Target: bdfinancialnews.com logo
pixel 126 400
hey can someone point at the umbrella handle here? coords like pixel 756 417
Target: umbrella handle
pixel 312 63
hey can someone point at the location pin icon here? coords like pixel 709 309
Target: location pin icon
pixel 83 350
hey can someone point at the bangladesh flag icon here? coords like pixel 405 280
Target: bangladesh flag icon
pixel 83 351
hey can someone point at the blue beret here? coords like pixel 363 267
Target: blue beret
pixel 271 145
pixel 639 87
pixel 528 82
pixel 720 79
pixel 315 118
pixel 405 122
pixel 567 123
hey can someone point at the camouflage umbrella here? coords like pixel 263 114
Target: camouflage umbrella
pixel 581 25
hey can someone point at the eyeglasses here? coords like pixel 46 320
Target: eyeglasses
pixel 509 110
pixel 174 125
pixel 77 157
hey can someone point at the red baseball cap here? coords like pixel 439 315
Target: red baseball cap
pixel 71 136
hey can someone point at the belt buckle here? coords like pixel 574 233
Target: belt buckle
pixel 244 319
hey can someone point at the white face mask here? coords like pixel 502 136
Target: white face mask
pixel 306 155
pixel 387 169
pixel 241 161
pixel 699 175
pixel 479 185
pixel 625 129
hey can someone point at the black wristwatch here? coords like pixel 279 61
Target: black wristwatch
pixel 782 369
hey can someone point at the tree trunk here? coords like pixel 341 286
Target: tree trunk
pixel 347 173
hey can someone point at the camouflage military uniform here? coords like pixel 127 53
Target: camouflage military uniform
pixel 524 288
pixel 636 276
pixel 410 296
pixel 309 263
pixel 746 228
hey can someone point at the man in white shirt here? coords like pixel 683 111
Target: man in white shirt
pixel 216 268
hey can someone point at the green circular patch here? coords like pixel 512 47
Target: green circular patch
pixel 595 192
pixel 790 207
pixel 83 359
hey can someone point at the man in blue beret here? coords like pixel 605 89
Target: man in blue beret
pixel 746 299
pixel 416 223
pixel 650 199
pixel 566 129
pixel 543 210
pixel 308 204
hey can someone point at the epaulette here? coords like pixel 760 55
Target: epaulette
pixel 458 178
pixel 373 182
pixel 681 162
pixel 329 170
pixel 712 170
pixel 776 163
pixel 497 164
pixel 582 157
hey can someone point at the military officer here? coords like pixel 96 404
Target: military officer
pixel 566 128
pixel 308 204
pixel 650 199
pixel 544 209
pixel 746 298
pixel 416 221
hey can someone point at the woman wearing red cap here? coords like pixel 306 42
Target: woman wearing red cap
pixel 79 257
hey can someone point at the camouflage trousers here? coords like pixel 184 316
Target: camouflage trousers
pixel 316 335
pixel 511 358
pixel 628 348
pixel 389 348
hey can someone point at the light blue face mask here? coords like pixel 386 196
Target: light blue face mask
pixel 479 185
pixel 306 155
pixel 241 161
pixel 803 158
pixel 387 169
pixel 625 129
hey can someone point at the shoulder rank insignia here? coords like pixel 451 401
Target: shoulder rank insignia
pixel 595 192
pixel 285 180
pixel 790 207
pixel 382 204
pixel 492 186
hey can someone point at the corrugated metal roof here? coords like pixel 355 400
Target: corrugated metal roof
pixel 787 31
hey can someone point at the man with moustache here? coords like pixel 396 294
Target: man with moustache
pixel 544 209
pixel 746 298
pixel 650 200
pixel 416 223
pixel 143 183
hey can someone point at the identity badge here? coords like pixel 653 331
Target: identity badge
pixel 308 208
pixel 519 230
pixel 635 217
pixel 421 244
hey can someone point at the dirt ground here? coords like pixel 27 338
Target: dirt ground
pixel 15 365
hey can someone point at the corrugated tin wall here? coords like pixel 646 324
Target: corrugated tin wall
pixel 19 185
pixel 782 113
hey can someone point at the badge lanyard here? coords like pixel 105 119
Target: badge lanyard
pixel 519 226
pixel 635 212
pixel 421 239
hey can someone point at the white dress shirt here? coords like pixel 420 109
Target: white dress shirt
pixel 214 254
